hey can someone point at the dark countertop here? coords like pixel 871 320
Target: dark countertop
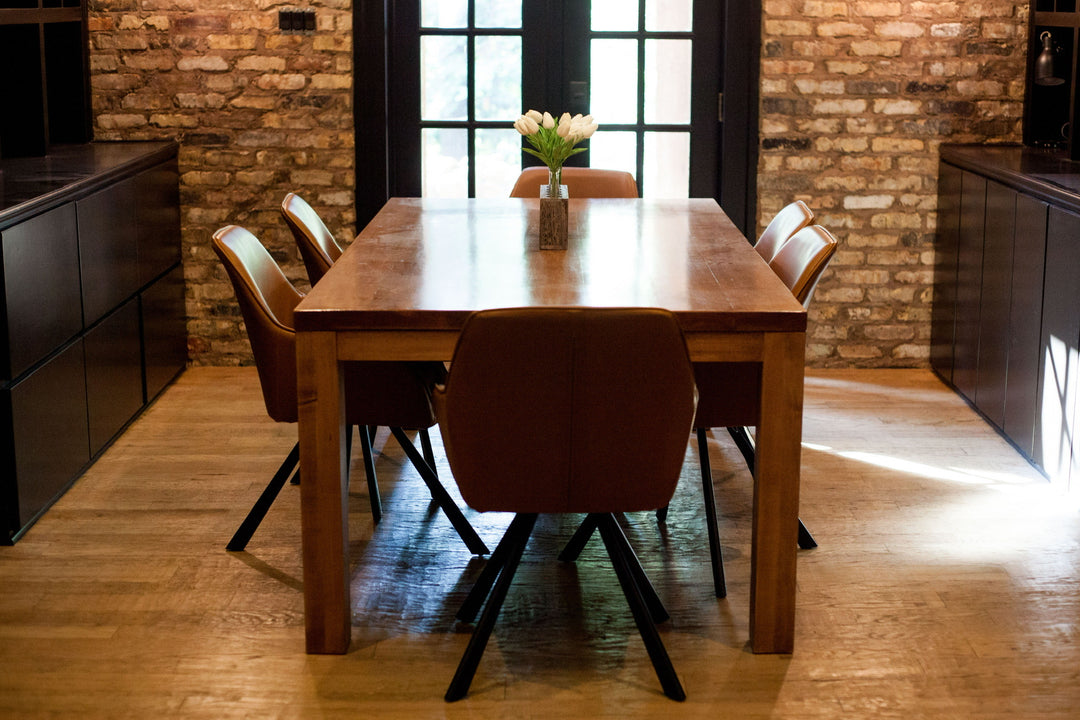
pixel 28 186
pixel 1046 174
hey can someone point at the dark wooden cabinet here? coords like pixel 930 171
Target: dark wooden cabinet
pixel 1006 322
pixel 45 443
pixel 42 291
pixel 93 310
pixel 994 302
pixel 114 373
pixel 1028 266
pixel 108 248
pixel 1060 337
pixel 969 265
pixel 164 330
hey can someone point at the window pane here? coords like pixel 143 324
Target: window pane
pixel 444 158
pixel 443 78
pixel 498 162
pixel 667 165
pixel 614 150
pixel 613 81
pixel 497 14
pixel 444 13
pixel 667 81
pixel 498 77
pixel 669 15
pixel 614 15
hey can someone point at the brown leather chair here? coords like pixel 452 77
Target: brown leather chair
pixel 791 219
pixel 317 245
pixel 602 400
pixel 580 183
pixel 376 393
pixel 729 391
pixel 320 251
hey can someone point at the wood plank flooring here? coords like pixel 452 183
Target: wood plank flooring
pixel 946 584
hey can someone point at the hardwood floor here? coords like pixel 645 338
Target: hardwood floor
pixel 946 584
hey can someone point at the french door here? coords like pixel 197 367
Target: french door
pixel 457 73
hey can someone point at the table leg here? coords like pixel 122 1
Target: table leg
pixel 320 394
pixel 776 494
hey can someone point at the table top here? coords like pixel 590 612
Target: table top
pixel 426 264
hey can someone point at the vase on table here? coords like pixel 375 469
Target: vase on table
pixel 554 212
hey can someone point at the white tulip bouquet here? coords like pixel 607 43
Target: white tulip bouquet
pixel 554 142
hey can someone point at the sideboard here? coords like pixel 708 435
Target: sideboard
pixel 1006 315
pixel 92 320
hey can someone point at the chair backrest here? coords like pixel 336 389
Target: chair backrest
pixel 791 219
pixel 801 261
pixel 580 183
pixel 267 300
pixel 317 245
pixel 567 409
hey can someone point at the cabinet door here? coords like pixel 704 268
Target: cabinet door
pixel 164 331
pixel 48 433
pixel 1025 312
pixel 107 249
pixel 114 381
pixel 1059 338
pixel 40 281
pixel 157 210
pixel 969 283
pixel 995 301
pixel 945 247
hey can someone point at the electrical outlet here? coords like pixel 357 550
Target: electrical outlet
pixel 296 20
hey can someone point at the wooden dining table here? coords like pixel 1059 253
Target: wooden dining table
pixel 404 287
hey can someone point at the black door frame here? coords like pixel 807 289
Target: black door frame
pixel 373 124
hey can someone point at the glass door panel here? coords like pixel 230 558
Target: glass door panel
pixel 614 150
pixel 615 15
pixel 444 90
pixel 669 15
pixel 497 14
pixel 498 82
pixel 667 164
pixel 614 81
pixel 444 13
pixel 667 81
pixel 445 159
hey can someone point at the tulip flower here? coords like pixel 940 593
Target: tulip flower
pixel 553 141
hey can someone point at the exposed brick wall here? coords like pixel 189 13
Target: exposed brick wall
pixel 856 97
pixel 258 113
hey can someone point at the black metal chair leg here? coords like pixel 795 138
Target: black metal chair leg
pixel 661 515
pixel 746 446
pixel 519 531
pixel 656 607
pixel 715 552
pixel 425 447
pixel 580 539
pixel 251 523
pixel 442 497
pixel 369 471
pixel 609 529
pixel 806 540
pixel 482 587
